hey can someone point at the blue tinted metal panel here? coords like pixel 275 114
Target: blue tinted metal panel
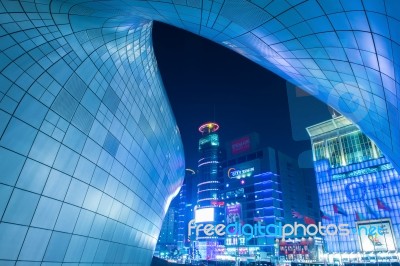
pixel 74 73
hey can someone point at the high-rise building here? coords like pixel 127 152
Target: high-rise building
pixel 191 202
pixel 262 185
pixel 299 190
pixel 181 218
pixel 208 187
pixel 209 184
pixel 186 195
pixel 174 231
pixel 250 199
pixel 168 239
pixel 357 186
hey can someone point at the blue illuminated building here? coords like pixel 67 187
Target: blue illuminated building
pixel 252 199
pixel 173 240
pixel 91 155
pixel 356 185
pixel 182 217
pixel 168 240
pixel 208 187
pixel 208 165
pixel 263 185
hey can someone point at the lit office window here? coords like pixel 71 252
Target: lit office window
pixel 319 151
pixel 334 152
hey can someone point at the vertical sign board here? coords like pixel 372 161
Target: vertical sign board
pixel 233 213
pixel 376 235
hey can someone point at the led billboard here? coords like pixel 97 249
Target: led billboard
pixel 376 235
pixel 204 215
pixel 233 213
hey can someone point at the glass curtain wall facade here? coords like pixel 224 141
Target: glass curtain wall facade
pixel 169 234
pixel 182 218
pixel 356 184
pixel 90 153
pixel 252 199
pixel 263 185
pixel 208 188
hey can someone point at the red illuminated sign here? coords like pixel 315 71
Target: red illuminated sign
pixel 241 145
pixel 217 203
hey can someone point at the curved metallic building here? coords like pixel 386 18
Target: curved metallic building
pixel 90 152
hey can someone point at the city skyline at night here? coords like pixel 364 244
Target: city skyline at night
pixel 209 82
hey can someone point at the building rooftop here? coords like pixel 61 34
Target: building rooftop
pixel 329 125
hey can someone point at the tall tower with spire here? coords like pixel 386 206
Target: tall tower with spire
pixel 208 209
pixel 208 165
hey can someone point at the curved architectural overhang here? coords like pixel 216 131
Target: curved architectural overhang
pixel 345 53
pixel 83 109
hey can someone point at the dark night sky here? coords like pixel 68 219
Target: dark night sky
pixel 201 76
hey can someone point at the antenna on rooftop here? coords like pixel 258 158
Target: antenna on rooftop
pixel 214 112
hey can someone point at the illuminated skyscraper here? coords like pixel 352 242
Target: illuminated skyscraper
pixel 173 234
pixel 262 186
pixel 182 219
pixel 208 165
pixel 357 185
pixel 208 187
pixel 168 239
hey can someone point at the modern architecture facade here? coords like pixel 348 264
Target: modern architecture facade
pixel 253 199
pixel 208 188
pixel 90 152
pixel 357 186
pixel 208 184
pixel 299 190
pixel 252 193
pixel 262 185
pixel 182 218
pixel 168 240
pixel 82 101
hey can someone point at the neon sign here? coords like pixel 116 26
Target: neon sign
pixel 233 173
pixel 213 138
pixel 363 171
pixel 241 145
pixel 217 203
